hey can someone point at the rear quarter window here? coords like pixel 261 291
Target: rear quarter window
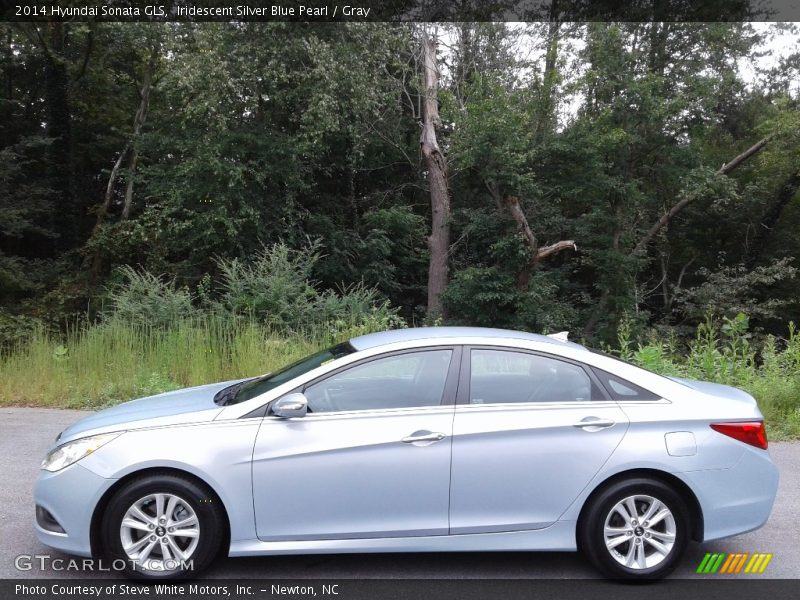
pixel 622 389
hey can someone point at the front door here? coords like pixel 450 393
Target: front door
pixel 370 459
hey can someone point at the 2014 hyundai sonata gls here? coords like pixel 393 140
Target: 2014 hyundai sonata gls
pixel 452 439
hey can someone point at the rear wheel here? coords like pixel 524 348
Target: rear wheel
pixel 635 529
pixel 163 527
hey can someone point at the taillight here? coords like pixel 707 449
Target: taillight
pixel 752 432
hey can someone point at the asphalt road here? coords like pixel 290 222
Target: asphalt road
pixel 25 434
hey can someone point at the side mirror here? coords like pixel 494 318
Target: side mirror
pixel 292 405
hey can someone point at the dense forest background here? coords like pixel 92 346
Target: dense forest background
pixel 173 147
pixel 609 179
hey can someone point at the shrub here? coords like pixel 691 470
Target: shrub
pixel 16 330
pixel 275 288
pixel 148 300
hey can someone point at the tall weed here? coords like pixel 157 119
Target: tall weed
pixel 723 352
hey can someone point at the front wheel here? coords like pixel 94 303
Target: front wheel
pixel 635 529
pixel 162 527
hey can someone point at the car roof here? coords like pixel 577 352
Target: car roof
pixel 411 334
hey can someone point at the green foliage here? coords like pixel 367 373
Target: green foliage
pixel 393 254
pixel 481 296
pixel 723 351
pixel 260 136
pixel 275 288
pixel 737 289
pixel 148 300
pixel 489 297
pixel 16 330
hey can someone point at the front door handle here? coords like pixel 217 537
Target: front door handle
pixel 594 424
pixel 423 436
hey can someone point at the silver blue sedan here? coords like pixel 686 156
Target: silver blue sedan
pixel 416 440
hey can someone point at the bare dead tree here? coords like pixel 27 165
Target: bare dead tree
pixel 130 145
pixel 436 164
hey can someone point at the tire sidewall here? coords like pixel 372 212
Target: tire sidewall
pixel 204 504
pixel 592 539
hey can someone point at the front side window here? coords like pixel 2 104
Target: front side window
pixel 397 381
pixel 505 376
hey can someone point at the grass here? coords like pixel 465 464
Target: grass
pixel 102 365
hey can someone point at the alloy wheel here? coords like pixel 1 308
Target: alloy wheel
pixel 639 531
pixel 160 531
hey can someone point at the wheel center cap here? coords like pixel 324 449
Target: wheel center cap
pixel 639 531
pixel 160 531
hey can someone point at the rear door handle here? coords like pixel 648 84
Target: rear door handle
pixel 423 436
pixel 594 424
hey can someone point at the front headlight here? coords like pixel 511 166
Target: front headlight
pixel 72 452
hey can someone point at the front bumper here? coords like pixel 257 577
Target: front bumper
pixel 735 500
pixel 70 497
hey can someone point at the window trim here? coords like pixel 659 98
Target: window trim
pixel 448 393
pixel 465 379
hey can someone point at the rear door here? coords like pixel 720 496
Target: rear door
pixel 529 433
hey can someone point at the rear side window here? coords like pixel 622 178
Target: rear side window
pixel 622 389
pixel 504 376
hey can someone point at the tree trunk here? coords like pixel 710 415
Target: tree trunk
pixel 59 128
pixel 102 210
pixel 546 121
pixel 436 163
pixel 129 149
pixel 771 217
pixel 537 253
pixel 138 122
pixel 126 206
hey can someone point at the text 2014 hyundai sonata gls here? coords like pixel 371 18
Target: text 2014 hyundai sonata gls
pixel 452 439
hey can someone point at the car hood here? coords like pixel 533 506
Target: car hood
pixel 717 389
pixel 190 405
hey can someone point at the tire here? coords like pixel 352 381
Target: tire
pixel 638 551
pixel 140 517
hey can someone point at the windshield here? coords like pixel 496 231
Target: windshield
pixel 250 388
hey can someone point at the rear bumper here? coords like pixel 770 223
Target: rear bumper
pixel 735 500
pixel 69 496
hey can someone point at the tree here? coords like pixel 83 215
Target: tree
pixel 437 175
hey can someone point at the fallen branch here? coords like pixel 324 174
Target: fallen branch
pixel 546 251
pixel 641 246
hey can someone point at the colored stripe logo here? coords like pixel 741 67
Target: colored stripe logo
pixel 732 564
